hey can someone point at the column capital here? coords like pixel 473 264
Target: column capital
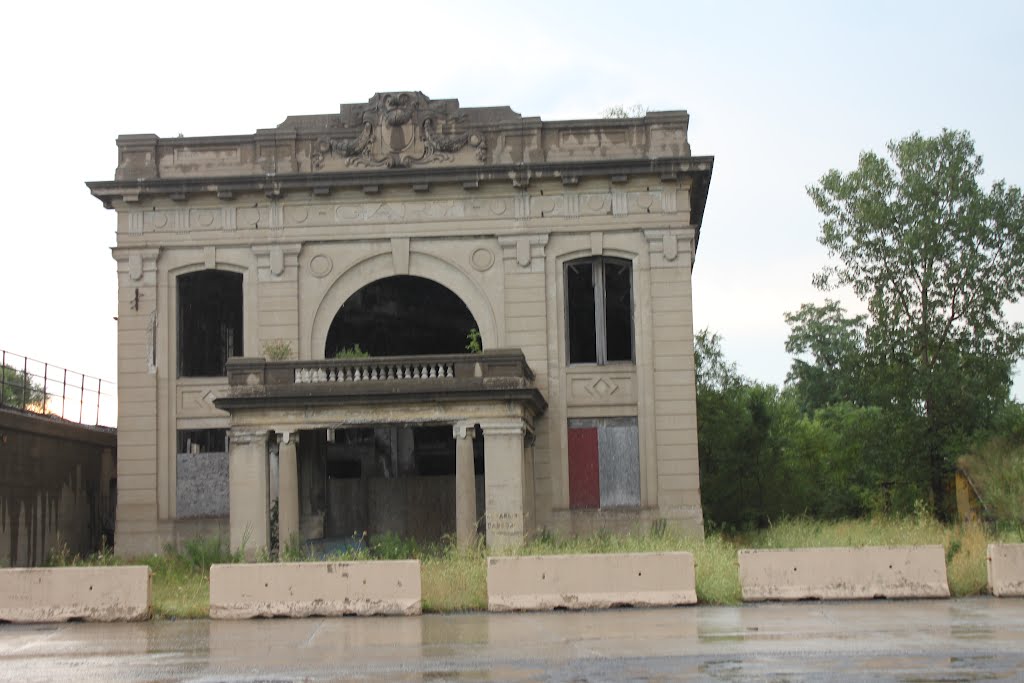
pixel 515 426
pixel 466 428
pixel 247 435
pixel 286 436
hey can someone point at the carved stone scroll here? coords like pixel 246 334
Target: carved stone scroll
pixel 401 129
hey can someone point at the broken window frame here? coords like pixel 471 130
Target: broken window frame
pixel 599 286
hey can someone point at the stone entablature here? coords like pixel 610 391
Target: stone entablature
pixel 407 130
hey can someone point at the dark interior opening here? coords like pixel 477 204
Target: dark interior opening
pixel 599 310
pixel 202 440
pixel 618 310
pixel 209 322
pixel 580 307
pixel 402 315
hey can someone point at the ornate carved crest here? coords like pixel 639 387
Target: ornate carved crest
pixel 401 129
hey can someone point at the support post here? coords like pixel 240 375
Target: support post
pixel 249 504
pixel 288 489
pixel 465 485
pixel 508 518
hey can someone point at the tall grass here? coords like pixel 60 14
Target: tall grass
pixel 181 578
pixel 997 468
pixel 455 580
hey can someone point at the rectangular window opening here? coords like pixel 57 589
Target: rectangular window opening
pixel 209 322
pixel 599 310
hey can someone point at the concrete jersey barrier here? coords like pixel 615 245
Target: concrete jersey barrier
pixel 1006 570
pixel 543 582
pixel 55 594
pixel 304 589
pixel 844 573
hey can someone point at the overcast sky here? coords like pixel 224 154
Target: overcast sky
pixel 778 92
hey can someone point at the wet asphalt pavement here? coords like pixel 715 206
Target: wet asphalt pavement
pixel 939 640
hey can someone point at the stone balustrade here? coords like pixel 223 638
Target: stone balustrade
pixel 497 374
pixel 374 372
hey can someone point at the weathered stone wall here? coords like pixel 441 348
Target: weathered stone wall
pixel 55 487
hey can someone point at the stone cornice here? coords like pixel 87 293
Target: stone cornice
pixel 520 175
pixel 371 182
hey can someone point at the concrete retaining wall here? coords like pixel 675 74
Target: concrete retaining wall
pixel 63 593
pixel 304 589
pixel 56 487
pixel 541 582
pixel 1006 570
pixel 844 573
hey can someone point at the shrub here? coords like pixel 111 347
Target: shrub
pixel 997 470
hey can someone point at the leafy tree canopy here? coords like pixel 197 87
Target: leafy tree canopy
pixel 18 389
pixel 936 258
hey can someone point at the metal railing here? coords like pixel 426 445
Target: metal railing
pixel 45 389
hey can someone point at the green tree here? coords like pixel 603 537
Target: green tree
pixel 936 258
pixel 18 389
pixel 744 479
pixel 835 345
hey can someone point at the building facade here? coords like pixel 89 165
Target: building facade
pixel 407 316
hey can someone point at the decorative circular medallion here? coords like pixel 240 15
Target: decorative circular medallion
pixel 204 218
pixel 498 206
pixel 482 259
pixel 248 217
pixel 298 214
pixel 320 265
pixel 159 220
pixel 596 202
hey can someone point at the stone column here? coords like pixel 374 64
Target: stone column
pixel 465 485
pixel 288 489
pixel 249 505
pixel 508 520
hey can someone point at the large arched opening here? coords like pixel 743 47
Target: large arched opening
pixel 390 478
pixel 401 315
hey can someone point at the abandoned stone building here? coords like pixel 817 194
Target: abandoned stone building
pixel 408 317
